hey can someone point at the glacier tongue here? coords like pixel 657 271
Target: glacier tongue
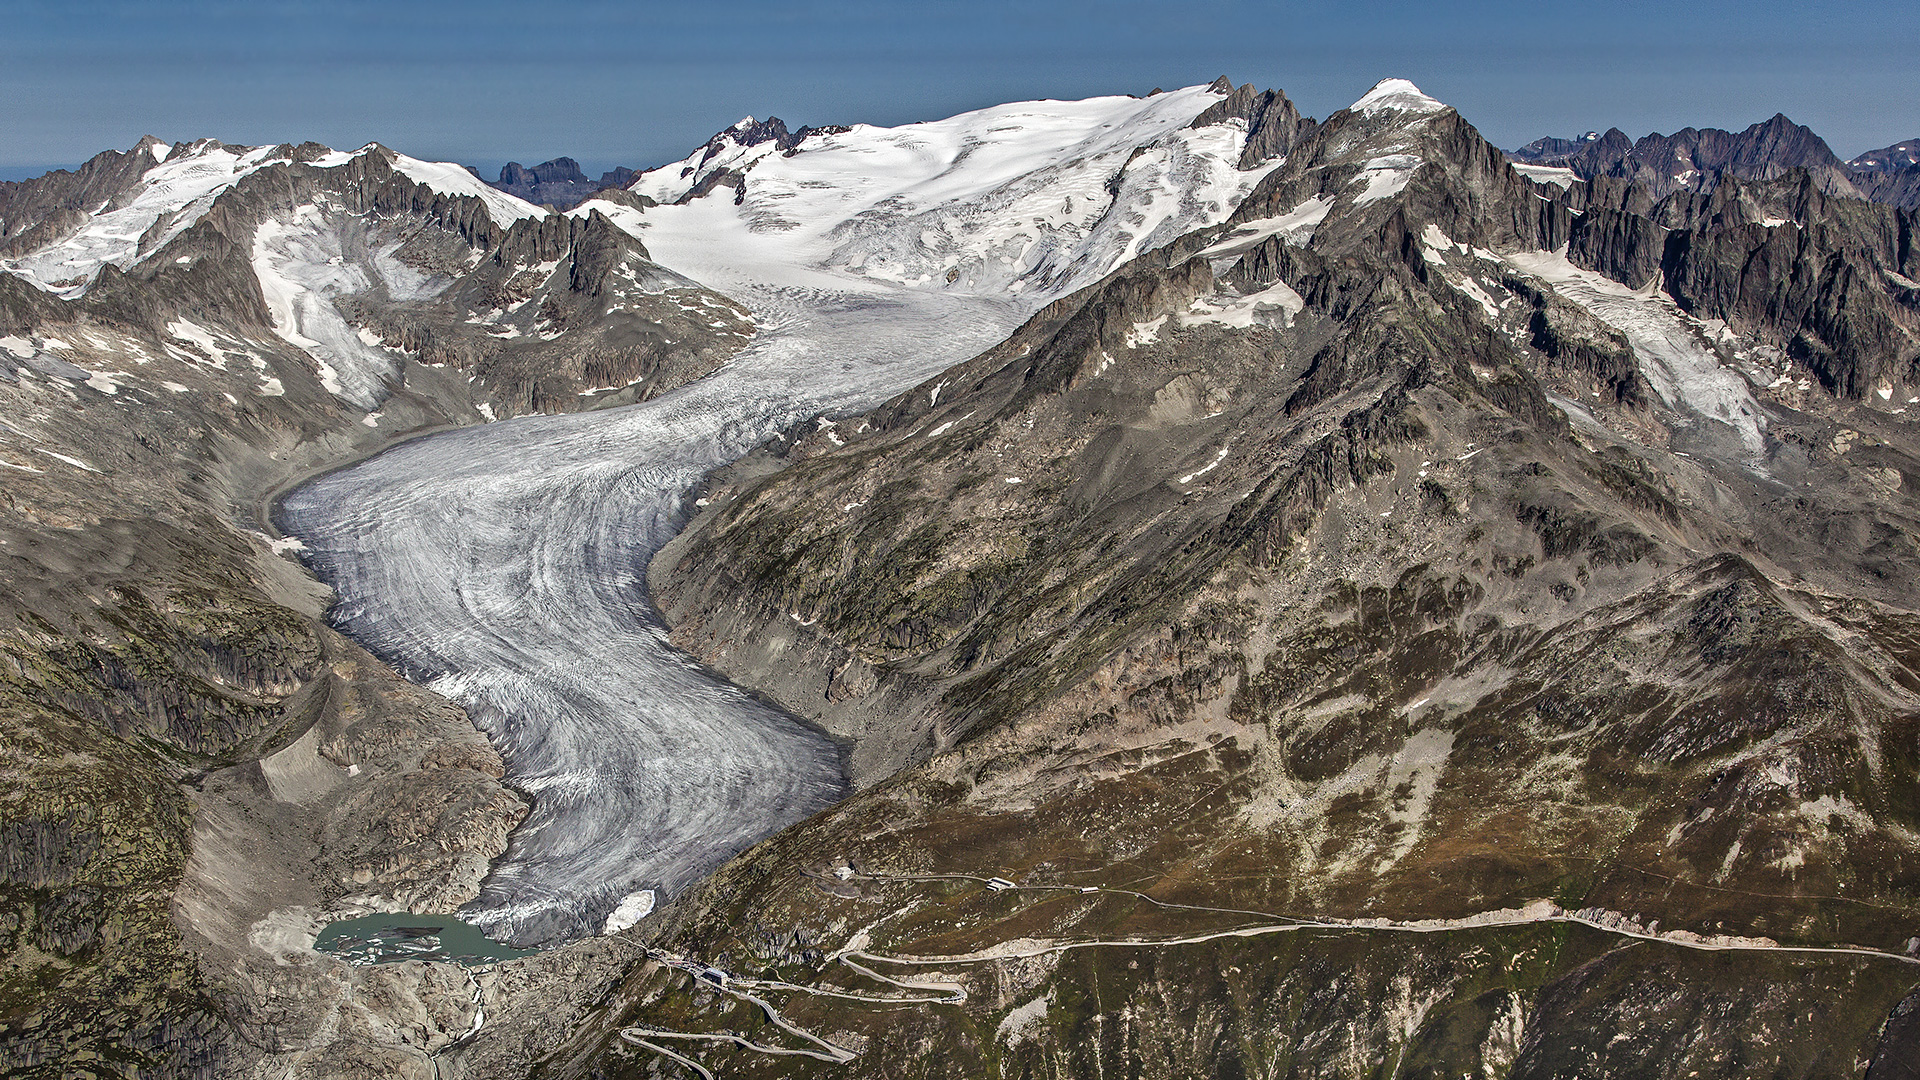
pixel 505 565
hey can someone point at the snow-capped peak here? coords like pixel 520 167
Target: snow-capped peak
pixel 744 123
pixel 178 187
pixel 1396 95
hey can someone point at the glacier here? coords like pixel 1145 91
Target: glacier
pixel 504 565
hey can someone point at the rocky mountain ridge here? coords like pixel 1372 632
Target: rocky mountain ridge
pixel 1901 155
pixel 1890 174
pixel 1698 158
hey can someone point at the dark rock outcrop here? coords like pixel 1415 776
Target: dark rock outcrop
pixel 1895 187
pixel 1274 126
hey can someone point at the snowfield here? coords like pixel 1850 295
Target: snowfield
pixel 1014 198
pixel 301 266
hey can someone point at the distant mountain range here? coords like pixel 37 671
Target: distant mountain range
pixel 1698 158
pixel 558 183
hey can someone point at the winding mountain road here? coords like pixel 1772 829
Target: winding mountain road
pixel 953 993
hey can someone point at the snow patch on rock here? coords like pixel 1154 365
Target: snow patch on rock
pixel 1671 348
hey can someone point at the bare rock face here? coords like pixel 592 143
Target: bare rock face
pixel 1895 187
pixel 1274 125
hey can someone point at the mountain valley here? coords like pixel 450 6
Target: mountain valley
pixel 1153 586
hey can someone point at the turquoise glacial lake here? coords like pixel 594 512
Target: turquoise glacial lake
pixel 388 937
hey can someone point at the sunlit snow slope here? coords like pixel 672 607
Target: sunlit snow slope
pixel 1034 197
pixel 505 564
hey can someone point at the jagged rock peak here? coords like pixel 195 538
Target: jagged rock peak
pixel 1698 158
pixel 1274 125
pixel 154 145
pixel 1396 95
pixel 1781 141
pixel 1551 151
pixel 748 131
pixel 1777 142
pixel 751 132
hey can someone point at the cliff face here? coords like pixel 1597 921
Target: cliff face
pixel 1513 570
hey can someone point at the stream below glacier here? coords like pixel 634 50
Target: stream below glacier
pixel 504 566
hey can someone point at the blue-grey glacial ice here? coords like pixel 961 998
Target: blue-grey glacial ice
pixel 514 582
pixel 504 565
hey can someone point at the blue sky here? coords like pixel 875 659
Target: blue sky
pixel 641 83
